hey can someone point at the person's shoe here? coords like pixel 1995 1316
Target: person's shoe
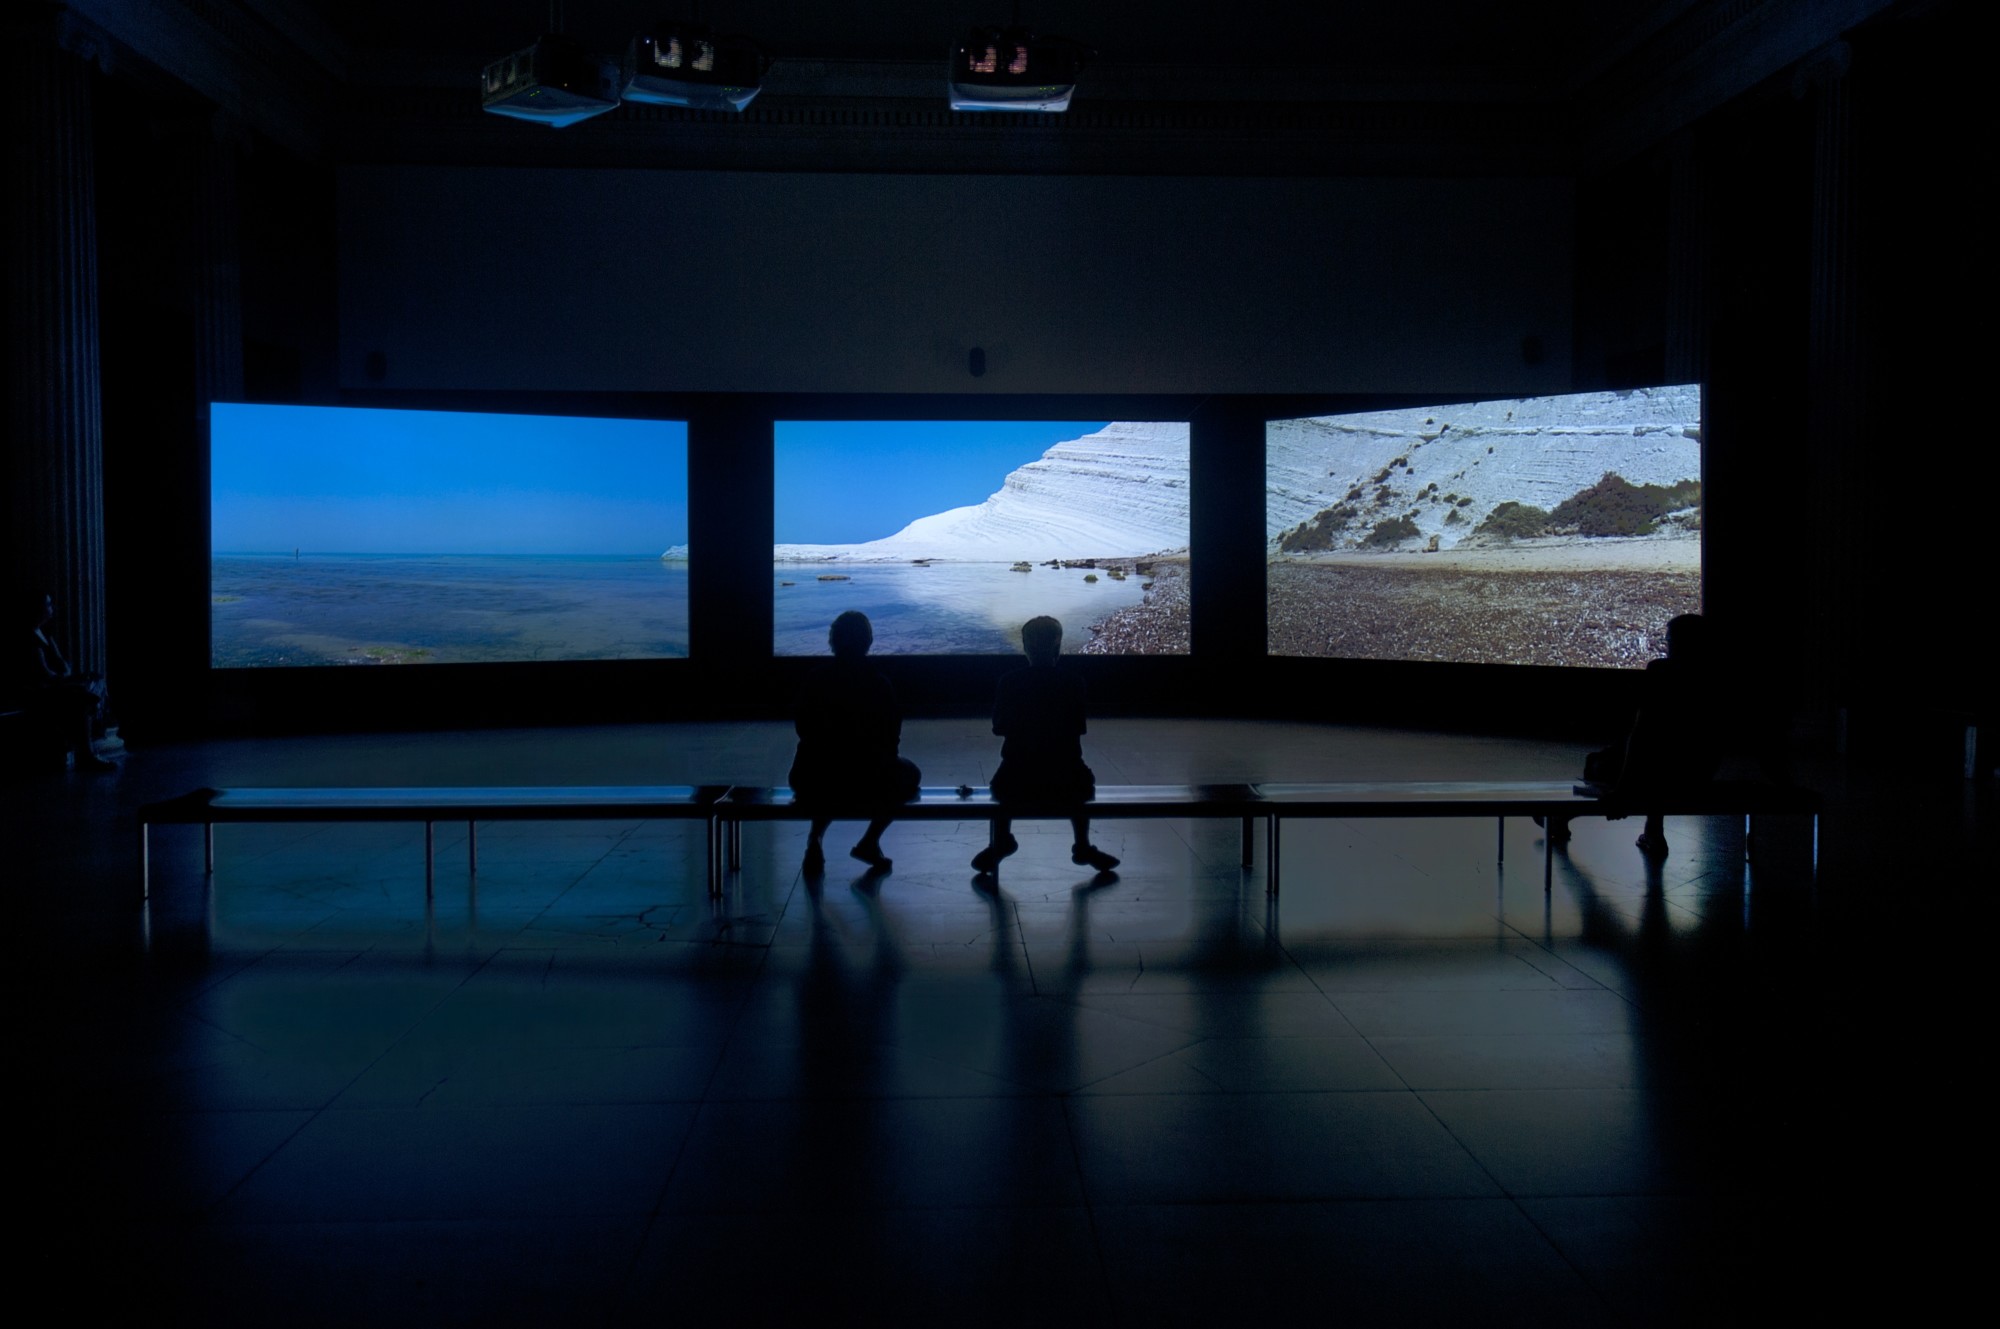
pixel 989 858
pixel 1652 846
pixel 1090 856
pixel 815 861
pixel 872 855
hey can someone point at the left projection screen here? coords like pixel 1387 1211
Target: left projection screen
pixel 358 536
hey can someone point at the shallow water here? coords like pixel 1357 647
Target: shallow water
pixel 941 608
pixel 383 608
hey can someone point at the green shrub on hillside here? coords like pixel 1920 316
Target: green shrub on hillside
pixel 1514 521
pixel 1616 506
pixel 1324 531
pixel 1390 532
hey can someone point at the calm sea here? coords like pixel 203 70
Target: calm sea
pixel 392 608
pixel 941 608
pixel 447 609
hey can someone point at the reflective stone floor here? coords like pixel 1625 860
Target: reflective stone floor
pixel 1415 1090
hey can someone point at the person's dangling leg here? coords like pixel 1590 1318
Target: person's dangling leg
pixel 815 861
pixel 1085 854
pixel 869 847
pixel 1653 839
pixel 1000 846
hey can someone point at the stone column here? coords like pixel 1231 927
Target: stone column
pixel 1833 376
pixel 54 444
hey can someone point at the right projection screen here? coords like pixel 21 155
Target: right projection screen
pixel 1540 531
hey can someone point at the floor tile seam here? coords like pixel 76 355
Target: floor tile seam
pixel 1602 1294
pixel 209 986
pixel 1627 998
pixel 402 1038
pixel 1222 1092
pixel 1463 1147
pixel 1537 948
pixel 1346 1019
pixel 794 1206
pixel 217 1205
pixel 1102 1265
pixel 1029 1093
pixel 728 1040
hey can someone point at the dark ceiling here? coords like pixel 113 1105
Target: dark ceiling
pixel 1256 87
pixel 1542 42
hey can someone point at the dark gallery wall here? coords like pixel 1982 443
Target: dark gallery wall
pixel 593 280
pixel 732 298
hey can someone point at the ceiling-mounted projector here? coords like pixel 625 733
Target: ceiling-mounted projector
pixel 555 82
pixel 1011 69
pixel 684 64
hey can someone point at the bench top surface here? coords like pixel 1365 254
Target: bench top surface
pixel 1422 795
pixel 944 802
pixel 494 801
pixel 1562 797
pixel 941 802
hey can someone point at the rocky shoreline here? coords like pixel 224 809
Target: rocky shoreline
pixel 1156 626
pixel 1574 617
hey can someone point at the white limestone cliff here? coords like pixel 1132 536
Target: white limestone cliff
pixel 1120 492
pixel 1537 451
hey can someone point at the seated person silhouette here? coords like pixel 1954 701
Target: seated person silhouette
pixel 849 730
pixel 1039 715
pixel 59 701
pixel 1672 743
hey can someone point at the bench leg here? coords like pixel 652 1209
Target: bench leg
pixel 472 847
pixel 1548 863
pixel 1271 854
pixel 1500 852
pixel 208 848
pixel 430 861
pixel 1249 844
pixel 145 861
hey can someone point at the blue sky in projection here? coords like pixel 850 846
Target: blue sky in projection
pixel 846 481
pixel 362 481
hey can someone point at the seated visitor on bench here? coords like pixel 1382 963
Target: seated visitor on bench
pixel 850 728
pixel 1039 715
pixel 1672 743
pixel 59 701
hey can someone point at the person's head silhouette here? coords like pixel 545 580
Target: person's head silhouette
pixel 1687 638
pixel 1041 640
pixel 851 635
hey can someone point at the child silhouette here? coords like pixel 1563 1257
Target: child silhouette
pixel 1039 715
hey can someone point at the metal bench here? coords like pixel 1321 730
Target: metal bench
pixel 724 809
pixel 976 803
pixel 209 807
pixel 1501 799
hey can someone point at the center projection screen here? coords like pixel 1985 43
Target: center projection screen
pixel 950 534
pixel 1560 530
pixel 359 536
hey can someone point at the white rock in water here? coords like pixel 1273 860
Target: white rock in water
pixel 1543 450
pixel 1120 492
